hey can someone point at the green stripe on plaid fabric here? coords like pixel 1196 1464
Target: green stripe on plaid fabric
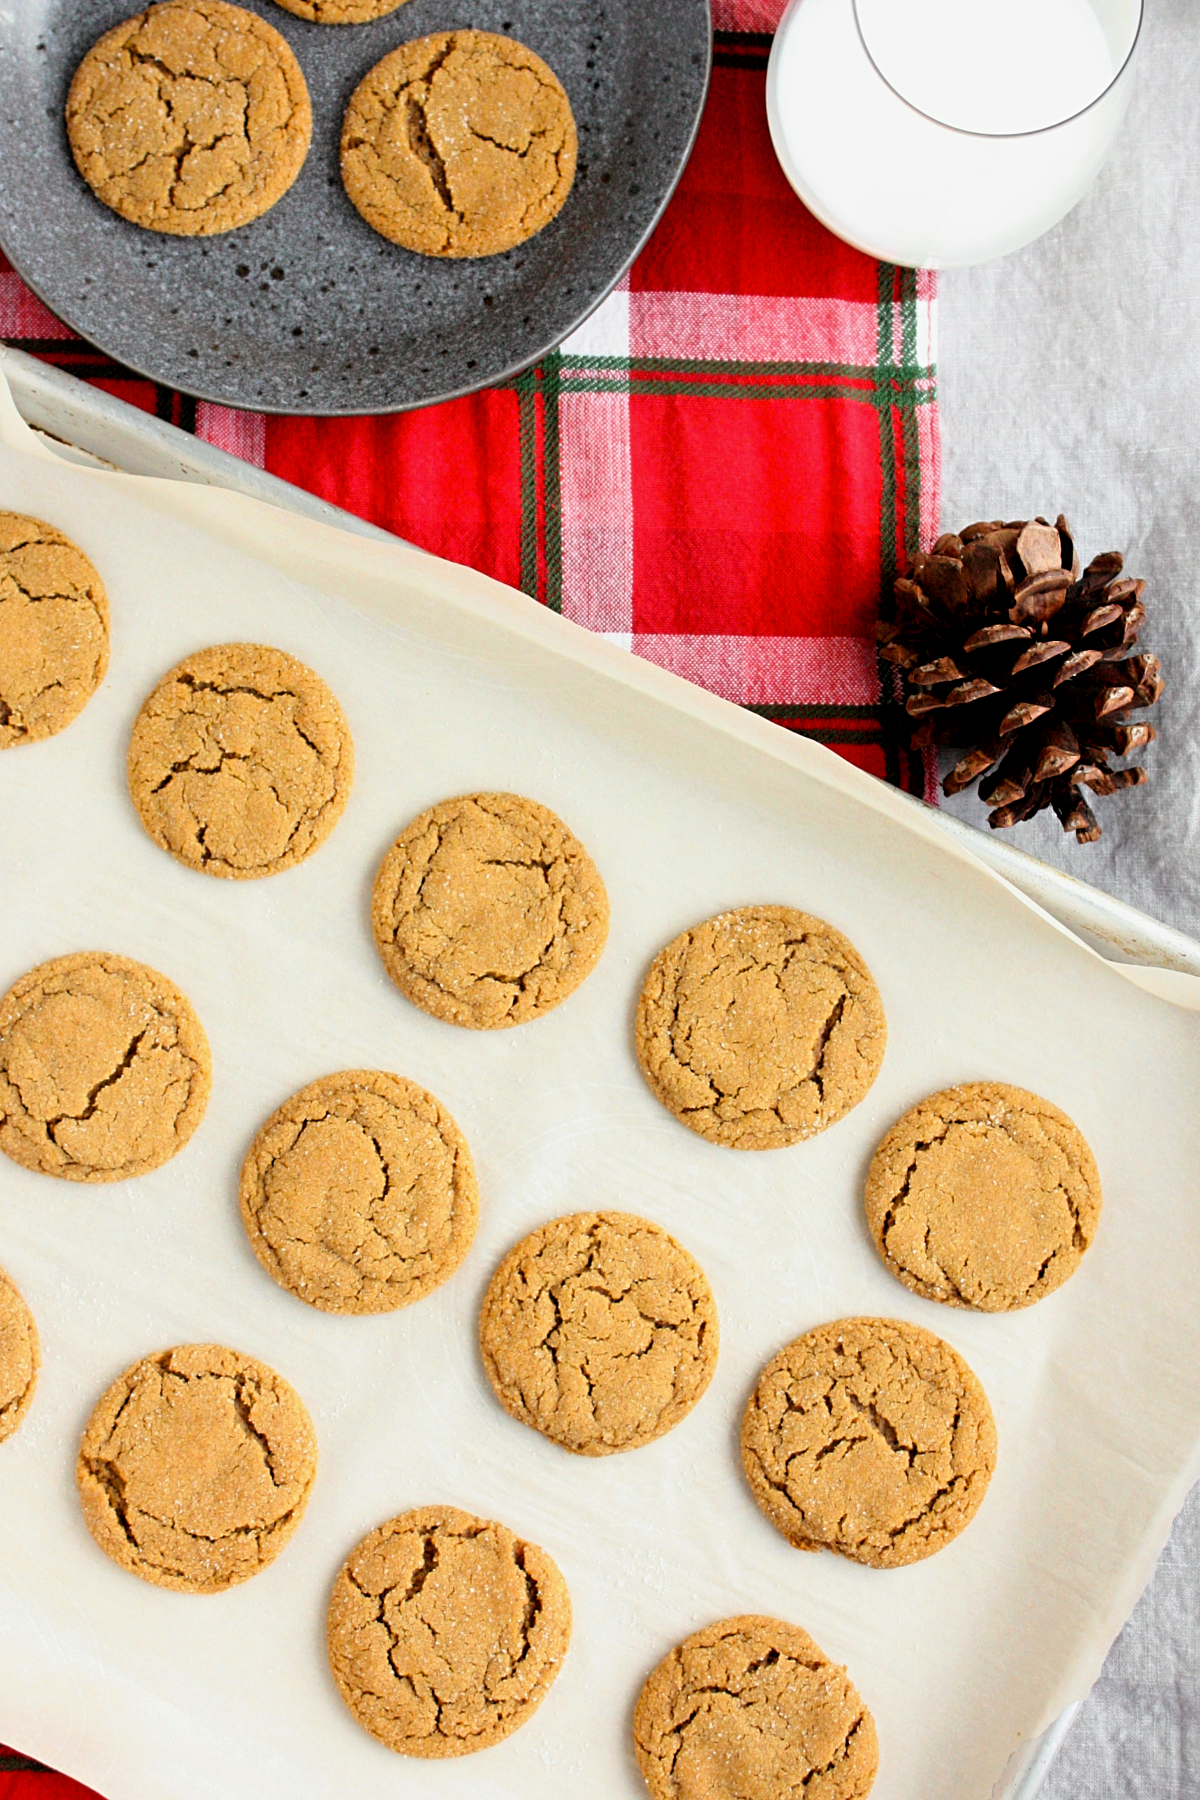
pixel 830 725
pixel 11 1761
pixel 741 49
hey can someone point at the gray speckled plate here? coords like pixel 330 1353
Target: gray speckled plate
pixel 307 310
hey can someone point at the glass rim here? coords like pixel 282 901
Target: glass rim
pixel 1001 136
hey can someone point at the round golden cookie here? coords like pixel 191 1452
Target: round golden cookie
pixel 359 1194
pixel 53 630
pixel 196 1467
pixel 487 911
pixel 20 1357
pixel 445 1632
pixel 241 761
pixel 983 1196
pixel 105 1070
pixel 869 1437
pixel 760 1027
pixel 459 144
pixel 600 1331
pixel 193 117
pixel 751 1709
pixel 340 12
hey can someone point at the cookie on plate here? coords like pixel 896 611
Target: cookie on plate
pixel 192 117
pixel 983 1196
pixel 196 1467
pixel 359 1194
pixel 759 1027
pixel 445 1632
pixel 20 1356
pixel 105 1070
pixel 600 1331
pixel 240 762
pixel 487 911
pixel 751 1706
pixel 870 1437
pixel 459 144
pixel 53 630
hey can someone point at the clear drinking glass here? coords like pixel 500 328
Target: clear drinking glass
pixel 936 133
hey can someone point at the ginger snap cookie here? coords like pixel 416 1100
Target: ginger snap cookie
pixel 446 1632
pixel 600 1331
pixel 241 761
pixel 760 1027
pixel 487 911
pixel 20 1357
pixel 459 144
pixel 192 117
pixel 53 630
pixel 983 1196
pixel 751 1707
pixel 359 1194
pixel 340 12
pixel 870 1437
pixel 196 1467
pixel 105 1070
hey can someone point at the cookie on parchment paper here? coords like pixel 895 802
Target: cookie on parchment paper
pixel 196 1467
pixel 760 1027
pixel 359 1193
pixel 191 118
pixel 53 630
pixel 983 1196
pixel 870 1437
pixel 446 1632
pixel 459 144
pixel 20 1356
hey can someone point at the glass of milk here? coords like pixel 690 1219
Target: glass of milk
pixel 936 133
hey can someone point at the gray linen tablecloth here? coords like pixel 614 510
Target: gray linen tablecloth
pixel 1070 380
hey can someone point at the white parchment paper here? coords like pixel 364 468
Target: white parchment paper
pixel 452 683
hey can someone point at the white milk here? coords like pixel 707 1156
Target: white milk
pixel 904 186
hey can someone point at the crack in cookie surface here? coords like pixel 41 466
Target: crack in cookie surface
pixel 54 630
pixel 196 1467
pixel 359 1193
pixel 983 1196
pixel 105 1069
pixel 600 1331
pixel 191 118
pixel 459 144
pixel 240 762
pixel 759 1027
pixel 445 1631
pixel 487 911
pixel 751 1705
pixel 870 1437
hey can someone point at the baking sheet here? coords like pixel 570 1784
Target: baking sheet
pixel 451 682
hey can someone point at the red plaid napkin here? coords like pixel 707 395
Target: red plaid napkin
pixel 723 469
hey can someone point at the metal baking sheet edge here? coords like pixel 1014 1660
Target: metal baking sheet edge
pixel 91 426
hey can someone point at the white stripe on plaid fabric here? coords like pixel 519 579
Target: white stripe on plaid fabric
pixel 747 15
pixel 22 314
pixel 596 484
pixel 242 434
pixel 765 328
pixel 764 671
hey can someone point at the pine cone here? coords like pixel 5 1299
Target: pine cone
pixel 1006 648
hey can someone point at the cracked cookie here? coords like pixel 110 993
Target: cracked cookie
pixel 751 1707
pixel 20 1357
pixel 359 1194
pixel 600 1331
pixel 196 1467
pixel 53 630
pixel 104 1068
pixel 760 1027
pixel 983 1196
pixel 193 117
pixel 240 762
pixel 870 1437
pixel 446 1632
pixel 487 911
pixel 340 12
pixel 459 144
